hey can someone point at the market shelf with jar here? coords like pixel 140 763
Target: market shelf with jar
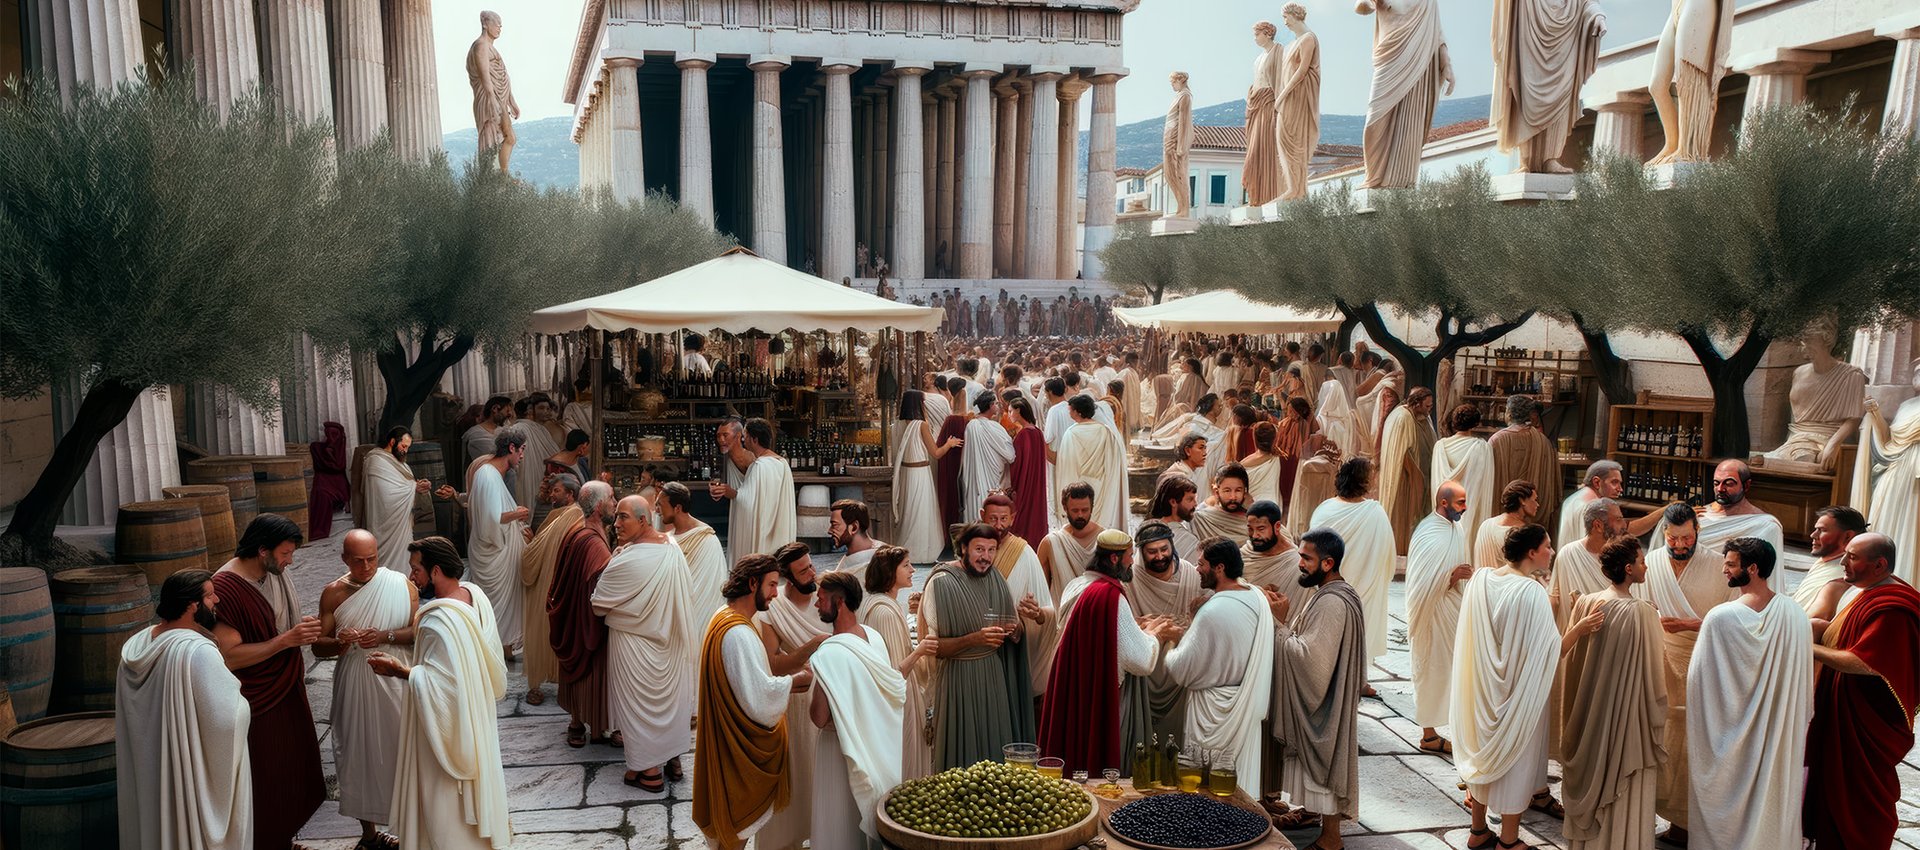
pixel 1664 445
pixel 1562 381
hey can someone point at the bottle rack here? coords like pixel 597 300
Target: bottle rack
pixel 1665 450
pixel 1563 381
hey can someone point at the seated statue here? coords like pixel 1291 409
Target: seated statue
pixel 1827 399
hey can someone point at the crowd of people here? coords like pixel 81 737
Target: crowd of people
pixel 1659 660
pixel 1066 315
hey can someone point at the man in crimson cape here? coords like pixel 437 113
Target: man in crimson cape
pixel 1102 663
pixel 579 636
pixel 1866 691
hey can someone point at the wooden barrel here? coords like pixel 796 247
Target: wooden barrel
pixel 234 473
pixel 26 640
pixel 305 453
pixel 95 610
pixel 216 518
pixel 161 538
pixel 57 783
pixel 283 488
pixel 428 461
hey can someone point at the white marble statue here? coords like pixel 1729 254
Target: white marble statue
pixel 1299 103
pixel 1687 67
pixel 1411 71
pixel 1176 141
pixel 1827 399
pixel 494 109
pixel 1886 479
pixel 1543 52
pixel 1260 173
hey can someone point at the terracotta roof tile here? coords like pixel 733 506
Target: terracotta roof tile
pixel 1460 128
pixel 1129 172
pixel 1224 138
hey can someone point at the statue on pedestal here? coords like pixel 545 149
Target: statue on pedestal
pixel 1176 140
pixel 1886 479
pixel 1260 175
pixel 1299 103
pixel 1690 60
pixel 1827 399
pixel 494 109
pixel 1411 71
pixel 1543 52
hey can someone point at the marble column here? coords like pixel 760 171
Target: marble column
pixel 220 39
pixel 881 244
pixel 359 72
pixel 1621 125
pixel 317 390
pixel 1043 175
pixel 1022 172
pixel 1102 160
pixel 222 424
pixel 130 464
pixel 976 192
pixel 836 248
pixel 696 137
pixel 1902 114
pixel 943 203
pixel 293 35
pixel 769 160
pixel 413 92
pixel 1066 247
pixel 909 176
pixel 82 42
pixel 930 178
pixel 1777 78
pixel 621 111
pixel 1005 129
pixel 863 176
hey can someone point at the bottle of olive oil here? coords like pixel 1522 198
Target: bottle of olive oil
pixel 1170 765
pixel 1142 767
pixel 1153 766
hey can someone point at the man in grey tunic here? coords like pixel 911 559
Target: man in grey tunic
pixel 1320 666
pixel 983 696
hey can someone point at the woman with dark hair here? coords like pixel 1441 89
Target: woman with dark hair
pixel 1028 475
pixel 1191 385
pixel 1240 443
pixel 916 501
pixel 888 574
pixel 1294 441
pixel 1519 504
pixel 1614 708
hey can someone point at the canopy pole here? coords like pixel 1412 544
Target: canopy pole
pixel 595 344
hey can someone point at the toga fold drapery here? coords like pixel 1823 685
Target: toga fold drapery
pixel 646 596
pixel 1612 726
pixel 983 698
pixel 1408 60
pixel 536 581
pixel 1433 614
pixel 1320 670
pixel 281 744
pixel 1369 563
pixel 1749 697
pixel 368 708
pixel 388 487
pixel 1863 725
pixel 180 746
pixel 578 635
pixel 450 789
pixel 493 550
pixel 1504 659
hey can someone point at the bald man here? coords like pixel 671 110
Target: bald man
pixel 1437 568
pixel 1732 515
pixel 366 609
pixel 646 595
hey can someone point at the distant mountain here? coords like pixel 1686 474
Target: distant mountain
pixel 546 155
pixel 543 152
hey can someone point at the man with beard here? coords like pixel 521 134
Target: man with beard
pixel 1174 502
pixel 1869 681
pixel 740 761
pixel 792 631
pixel 1100 691
pixel 1066 552
pixel 1224 515
pixel 497 533
pixel 697 542
pixel 1224 660
pixel 180 735
pixel 983 690
pixel 1406 458
pixel 449 787
pixel 762 514
pixel 1605 479
pixel 541 444
pixel 386 488
pixel 1019 567
pixel 645 595
pixel 1683 589
pixel 1269 559
pixel 477 442
pixel 578 635
pixel 1819 591
pixel 368 609
pixel 260 634
pixel 1320 665
pixel 1366 530
pixel 1437 564
pixel 1576 568
pixel 1166 585
pixel 561 492
pixel 1749 698
pixel 857 691
pixel 1732 516
pixel 847 524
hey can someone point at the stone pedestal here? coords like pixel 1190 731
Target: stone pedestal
pixel 130 464
pixel 1672 174
pixel 1165 226
pixel 1530 186
pixel 1371 200
pixel 220 423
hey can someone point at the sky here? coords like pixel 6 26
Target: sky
pixel 1212 40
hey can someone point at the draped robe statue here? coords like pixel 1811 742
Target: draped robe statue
pixel 1260 175
pixel 1690 59
pixel 494 108
pixel 1543 52
pixel 1176 140
pixel 1299 116
pixel 1410 71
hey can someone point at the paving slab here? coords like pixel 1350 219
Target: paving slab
pixel 569 820
pixel 1377 740
pixel 558 786
pixel 329 823
pixel 570 841
pixel 1398 799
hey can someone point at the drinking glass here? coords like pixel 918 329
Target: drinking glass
pixel 1051 766
pixel 1191 769
pixel 1221 778
pixel 1021 755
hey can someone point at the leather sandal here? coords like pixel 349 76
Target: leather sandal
pixel 1477 839
pixel 653 784
pixel 1443 748
pixel 577 735
pixel 1550 806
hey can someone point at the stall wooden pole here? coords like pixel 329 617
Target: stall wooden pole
pixel 596 341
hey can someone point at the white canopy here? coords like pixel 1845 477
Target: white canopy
pixel 1224 311
pixel 735 292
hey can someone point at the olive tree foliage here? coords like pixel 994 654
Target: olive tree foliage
pixel 147 241
pixel 1810 218
pixel 1133 260
pixel 467 256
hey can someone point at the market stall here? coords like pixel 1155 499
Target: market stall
pixel 668 360
pixel 1225 311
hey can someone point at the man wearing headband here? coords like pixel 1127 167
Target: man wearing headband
pixel 1163 585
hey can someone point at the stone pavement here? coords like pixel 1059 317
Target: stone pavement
pixel 568 799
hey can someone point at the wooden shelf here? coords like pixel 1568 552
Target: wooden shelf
pixel 1705 461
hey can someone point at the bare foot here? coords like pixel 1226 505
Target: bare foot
pixel 1553 166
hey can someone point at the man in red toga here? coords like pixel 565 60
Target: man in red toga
pixel 579 636
pixel 1090 702
pixel 1867 687
pixel 260 634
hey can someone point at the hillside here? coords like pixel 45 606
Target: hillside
pixel 546 155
